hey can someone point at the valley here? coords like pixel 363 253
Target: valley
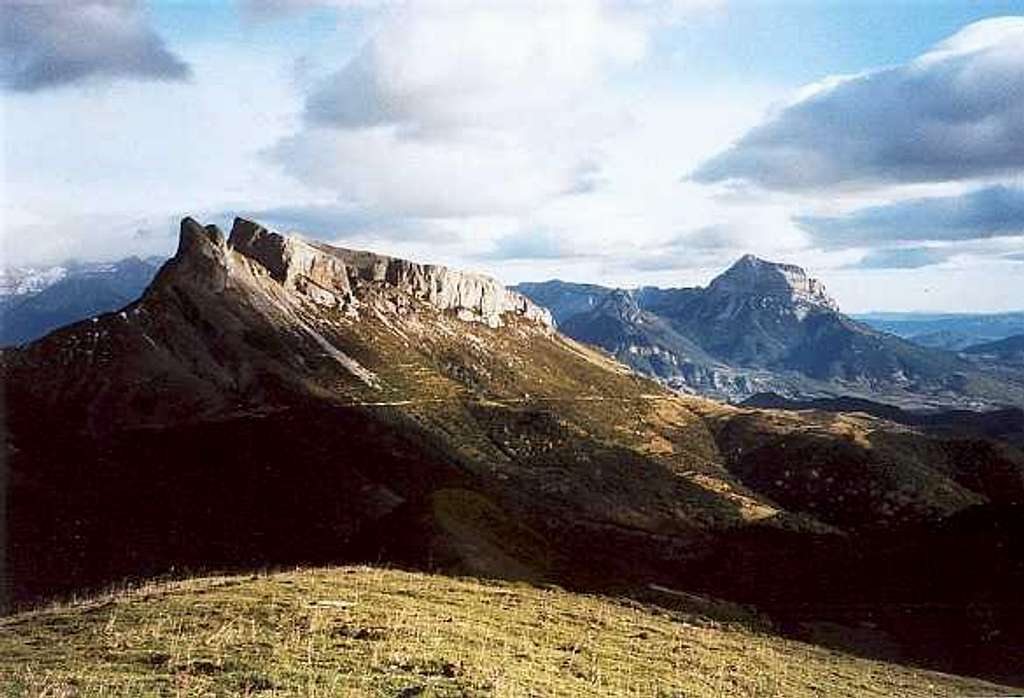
pixel 272 402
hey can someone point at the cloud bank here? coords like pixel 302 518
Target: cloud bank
pixel 54 43
pixel 989 212
pixel 954 113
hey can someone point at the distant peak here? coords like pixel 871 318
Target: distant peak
pixel 751 275
pixel 752 261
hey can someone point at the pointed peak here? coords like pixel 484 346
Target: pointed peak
pixel 195 236
pixel 620 297
pixel 201 259
pixel 752 261
pixel 751 275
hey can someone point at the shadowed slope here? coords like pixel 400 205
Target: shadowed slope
pixel 273 401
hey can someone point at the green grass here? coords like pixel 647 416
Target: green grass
pixel 374 632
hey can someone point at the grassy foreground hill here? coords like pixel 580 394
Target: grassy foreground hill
pixel 378 632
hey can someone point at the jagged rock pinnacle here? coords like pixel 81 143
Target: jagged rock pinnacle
pixel 201 258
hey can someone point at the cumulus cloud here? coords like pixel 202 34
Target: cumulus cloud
pixel 984 213
pixel 60 42
pixel 459 175
pixel 483 108
pixel 59 239
pixel 478 65
pixel 954 113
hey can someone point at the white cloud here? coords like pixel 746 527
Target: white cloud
pixel 82 167
pixel 471 108
pixel 955 113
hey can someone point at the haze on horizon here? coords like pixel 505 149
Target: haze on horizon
pixel 878 145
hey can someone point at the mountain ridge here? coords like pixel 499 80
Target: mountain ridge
pixel 237 416
pixel 769 327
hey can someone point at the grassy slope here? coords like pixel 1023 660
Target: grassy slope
pixel 365 631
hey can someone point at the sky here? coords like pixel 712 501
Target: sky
pixel 879 144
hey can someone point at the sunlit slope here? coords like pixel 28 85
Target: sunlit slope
pixel 364 631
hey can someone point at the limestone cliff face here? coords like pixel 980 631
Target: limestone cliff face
pixel 336 276
pixel 751 275
pixel 294 263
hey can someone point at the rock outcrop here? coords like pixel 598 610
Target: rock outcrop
pixel 294 263
pixel 333 275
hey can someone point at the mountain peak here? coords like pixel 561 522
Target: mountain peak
pixel 339 277
pixel 751 275
pixel 195 235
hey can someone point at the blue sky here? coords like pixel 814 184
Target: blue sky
pixel 879 144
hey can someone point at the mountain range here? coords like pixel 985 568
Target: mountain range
pixel 953 331
pixel 666 334
pixel 34 302
pixel 767 327
pixel 272 401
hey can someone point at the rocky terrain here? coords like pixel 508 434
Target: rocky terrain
pixel 272 401
pixel 767 327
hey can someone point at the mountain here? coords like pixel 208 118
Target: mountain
pixel 649 344
pixel 21 281
pixel 563 299
pixel 36 303
pixel 767 327
pixel 271 401
pixel 952 331
pixel 1010 349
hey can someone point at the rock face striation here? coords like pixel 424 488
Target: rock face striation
pixel 334 276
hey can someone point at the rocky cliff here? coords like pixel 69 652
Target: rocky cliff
pixel 337 276
pixel 754 276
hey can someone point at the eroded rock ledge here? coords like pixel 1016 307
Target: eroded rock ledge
pixel 336 276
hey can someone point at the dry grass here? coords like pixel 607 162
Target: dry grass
pixel 365 631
